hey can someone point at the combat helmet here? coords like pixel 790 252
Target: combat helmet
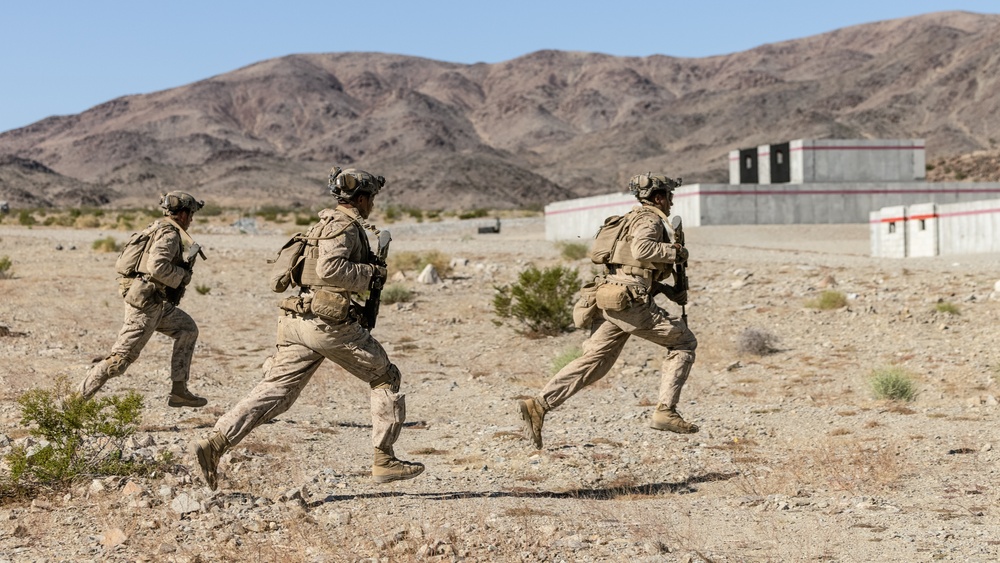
pixel 173 203
pixel 643 186
pixel 345 184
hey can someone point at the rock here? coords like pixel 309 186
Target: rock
pixel 458 262
pixel 429 276
pixel 113 537
pixel 131 489
pixel 828 281
pixel 184 504
pixel 398 277
pixel 96 487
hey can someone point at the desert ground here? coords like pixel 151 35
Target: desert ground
pixel 796 459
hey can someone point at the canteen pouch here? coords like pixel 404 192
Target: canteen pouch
pixel 612 297
pixel 141 293
pixel 332 307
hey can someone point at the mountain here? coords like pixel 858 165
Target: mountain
pixel 547 126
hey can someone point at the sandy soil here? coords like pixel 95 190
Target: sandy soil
pixel 796 460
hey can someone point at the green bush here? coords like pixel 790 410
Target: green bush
pixel 202 289
pixel 828 300
pixel 892 383
pixel 573 250
pixel 303 220
pixel 396 293
pixel 5 264
pixel 474 214
pixel 75 438
pixel 106 244
pixel 541 300
pixel 391 214
pixel 946 307
pixel 411 261
pixel 26 218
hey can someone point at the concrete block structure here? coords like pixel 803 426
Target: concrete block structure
pixel 929 229
pixel 798 182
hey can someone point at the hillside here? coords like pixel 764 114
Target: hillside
pixel 546 126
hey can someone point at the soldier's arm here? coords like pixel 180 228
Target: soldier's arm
pixel 647 245
pixel 342 260
pixel 166 245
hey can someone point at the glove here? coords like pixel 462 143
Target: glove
pixel 186 280
pixel 682 253
pixel 379 275
pixel 681 297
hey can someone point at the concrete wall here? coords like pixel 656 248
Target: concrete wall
pixel 783 204
pixel 580 218
pixel 930 230
pixel 764 164
pixel 872 160
pixel 735 163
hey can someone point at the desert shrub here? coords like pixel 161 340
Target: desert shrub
pixel 573 250
pixel 271 213
pixel 106 244
pixel 202 289
pixel 87 222
pixel 565 357
pixel 303 220
pixel 26 218
pixel 892 383
pixel 541 300
pixel 415 214
pixel 5 264
pixel 391 214
pixel 210 210
pixel 411 261
pixel 474 214
pixel 757 342
pixel 396 293
pixel 946 307
pixel 75 437
pixel 827 300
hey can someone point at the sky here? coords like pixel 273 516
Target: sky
pixel 63 57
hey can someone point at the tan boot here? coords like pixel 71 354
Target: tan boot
pixel 667 418
pixel 181 397
pixel 387 468
pixel 209 452
pixel 533 416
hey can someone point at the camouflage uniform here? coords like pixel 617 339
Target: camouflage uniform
pixel 652 255
pixel 304 340
pixel 166 269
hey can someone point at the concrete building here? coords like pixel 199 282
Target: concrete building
pixel 929 229
pixel 799 182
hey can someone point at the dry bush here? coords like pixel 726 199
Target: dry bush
pixel 757 341
pixel 828 300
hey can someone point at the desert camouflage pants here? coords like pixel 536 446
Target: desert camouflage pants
pixel 608 337
pixel 303 344
pixel 138 328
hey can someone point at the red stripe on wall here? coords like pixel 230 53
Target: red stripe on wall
pixel 936 216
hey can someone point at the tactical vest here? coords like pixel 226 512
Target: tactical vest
pixel 310 253
pixel 621 259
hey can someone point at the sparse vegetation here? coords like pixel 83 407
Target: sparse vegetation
pixel 828 300
pixel 474 214
pixel 396 293
pixel 25 218
pixel 541 300
pixel 415 262
pixel 948 308
pixel 756 341
pixel 573 250
pixel 203 289
pixel 5 265
pixel 106 244
pixel 892 383
pixel 565 357
pixel 75 438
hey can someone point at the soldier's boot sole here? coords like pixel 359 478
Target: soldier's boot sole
pixel 190 400
pixel 209 451
pixel 533 416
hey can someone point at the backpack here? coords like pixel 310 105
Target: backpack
pixel 133 250
pixel 607 237
pixel 287 266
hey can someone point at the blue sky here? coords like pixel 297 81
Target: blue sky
pixel 62 57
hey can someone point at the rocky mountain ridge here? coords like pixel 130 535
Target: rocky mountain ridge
pixel 547 126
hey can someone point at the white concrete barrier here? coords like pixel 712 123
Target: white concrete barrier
pixel 931 229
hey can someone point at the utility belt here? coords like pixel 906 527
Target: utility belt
pixel 331 305
pixel 141 291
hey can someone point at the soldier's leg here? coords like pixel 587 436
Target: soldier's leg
pixel 136 331
pixel 357 351
pixel 673 334
pixel 179 326
pixel 600 352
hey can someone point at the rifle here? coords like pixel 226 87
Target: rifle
pixel 174 294
pixel 370 312
pixel 680 269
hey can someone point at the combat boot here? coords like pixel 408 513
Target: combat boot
pixel 387 468
pixel 667 418
pixel 181 397
pixel 209 452
pixel 533 415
